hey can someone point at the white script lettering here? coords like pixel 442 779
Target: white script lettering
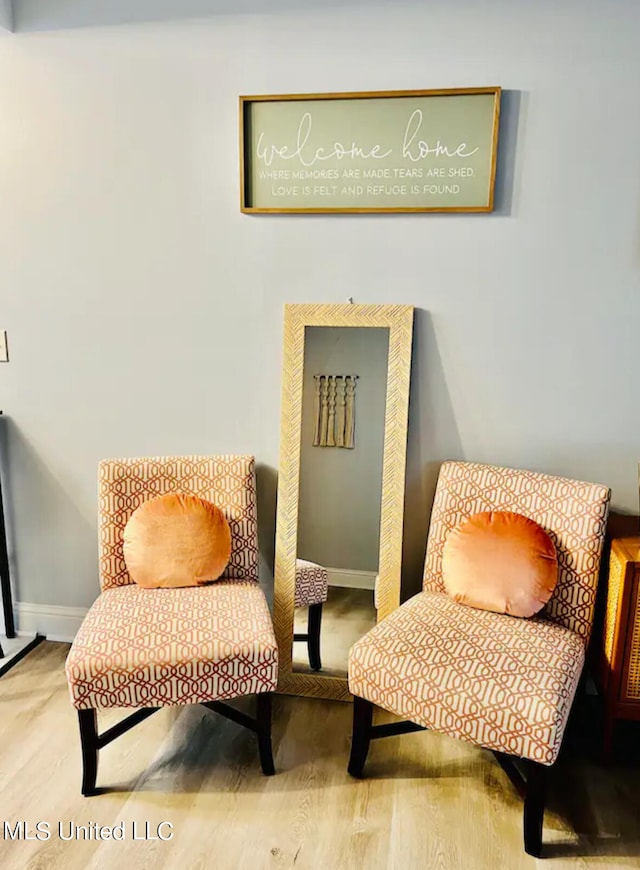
pixel 423 150
pixel 267 153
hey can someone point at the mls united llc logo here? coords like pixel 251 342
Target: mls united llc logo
pixel 91 831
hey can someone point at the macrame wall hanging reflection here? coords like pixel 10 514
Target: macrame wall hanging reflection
pixel 335 411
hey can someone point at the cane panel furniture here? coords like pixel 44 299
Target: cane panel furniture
pixel 619 665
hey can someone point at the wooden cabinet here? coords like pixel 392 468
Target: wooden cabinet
pixel 619 667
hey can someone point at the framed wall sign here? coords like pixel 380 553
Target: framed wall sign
pixel 385 151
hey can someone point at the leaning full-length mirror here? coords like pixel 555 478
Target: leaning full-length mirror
pixel 341 485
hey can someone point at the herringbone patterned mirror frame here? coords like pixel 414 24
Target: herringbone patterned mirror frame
pixel 399 320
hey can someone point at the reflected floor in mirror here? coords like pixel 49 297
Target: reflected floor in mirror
pixel 347 614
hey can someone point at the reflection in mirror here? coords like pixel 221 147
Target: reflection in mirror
pixel 342 445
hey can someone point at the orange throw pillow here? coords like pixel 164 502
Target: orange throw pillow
pixel 176 540
pixel 500 561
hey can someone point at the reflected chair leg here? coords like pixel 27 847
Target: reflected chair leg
pixel 313 637
pixel 89 741
pixel 263 730
pixel 361 736
pixel 534 808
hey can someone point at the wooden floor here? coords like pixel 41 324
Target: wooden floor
pixel 430 802
pixel 347 614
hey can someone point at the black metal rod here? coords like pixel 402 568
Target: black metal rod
pixel 5 578
pixel 125 725
pixel 16 658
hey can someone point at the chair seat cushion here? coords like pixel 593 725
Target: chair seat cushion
pixel 503 683
pixel 161 647
pixel 312 583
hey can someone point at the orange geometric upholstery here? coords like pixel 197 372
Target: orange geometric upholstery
pixel 312 582
pixel 161 647
pixel 497 681
pixel 227 481
pixel 574 515
pixel 155 647
pixel 493 680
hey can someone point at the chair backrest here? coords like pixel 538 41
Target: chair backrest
pixel 227 481
pixel 574 514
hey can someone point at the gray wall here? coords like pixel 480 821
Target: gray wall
pixel 145 312
pixel 6 15
pixel 341 489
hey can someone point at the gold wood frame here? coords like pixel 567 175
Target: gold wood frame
pixel 245 166
pixel 399 320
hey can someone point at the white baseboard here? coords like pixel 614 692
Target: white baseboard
pixel 54 622
pixel 62 623
pixel 350 579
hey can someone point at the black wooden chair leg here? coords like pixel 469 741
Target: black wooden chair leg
pixel 263 730
pixel 608 735
pixel 361 736
pixel 313 636
pixel 534 807
pixel 89 741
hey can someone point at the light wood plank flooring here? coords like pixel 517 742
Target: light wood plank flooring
pixel 430 802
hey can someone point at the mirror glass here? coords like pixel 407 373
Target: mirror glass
pixel 340 491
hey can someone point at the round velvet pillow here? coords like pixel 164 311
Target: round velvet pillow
pixel 176 540
pixel 500 561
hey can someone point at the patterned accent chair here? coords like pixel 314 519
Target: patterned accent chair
pixel 152 648
pixel 312 583
pixel 503 683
